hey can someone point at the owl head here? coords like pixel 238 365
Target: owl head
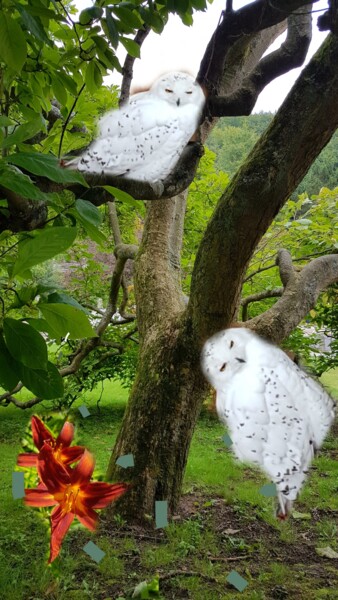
pixel 179 89
pixel 225 354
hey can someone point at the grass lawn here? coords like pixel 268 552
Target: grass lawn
pixel 223 524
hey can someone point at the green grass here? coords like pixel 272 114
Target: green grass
pixel 223 515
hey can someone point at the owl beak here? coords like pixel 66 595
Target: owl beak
pixel 178 101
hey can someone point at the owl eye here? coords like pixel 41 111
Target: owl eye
pixel 223 367
pixel 169 91
pixel 231 344
pixel 188 92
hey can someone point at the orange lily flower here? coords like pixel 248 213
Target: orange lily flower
pixel 72 494
pixel 60 445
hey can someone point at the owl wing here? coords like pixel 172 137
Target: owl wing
pixel 268 423
pixel 144 132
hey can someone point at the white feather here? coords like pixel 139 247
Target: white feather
pixel 145 138
pixel 277 414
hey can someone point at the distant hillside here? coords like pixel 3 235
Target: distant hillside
pixel 233 138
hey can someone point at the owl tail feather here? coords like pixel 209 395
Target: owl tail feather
pixel 284 507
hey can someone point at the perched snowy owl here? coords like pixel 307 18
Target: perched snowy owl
pixel 277 415
pixel 144 139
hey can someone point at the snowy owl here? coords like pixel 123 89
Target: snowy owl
pixel 144 139
pixel 277 415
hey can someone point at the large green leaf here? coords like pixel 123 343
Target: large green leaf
pixel 42 325
pixel 88 212
pixel 25 344
pixel 66 319
pixel 121 195
pixel 90 218
pixel 45 165
pixel 21 184
pixel 132 47
pixel 61 298
pixel 113 33
pixel 34 25
pixel 9 375
pixel 93 77
pixel 24 132
pixel 45 384
pixel 13 49
pixel 42 246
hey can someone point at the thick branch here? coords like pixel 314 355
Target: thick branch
pixel 286 270
pixel 252 18
pixel 277 163
pixel 290 55
pixel 299 297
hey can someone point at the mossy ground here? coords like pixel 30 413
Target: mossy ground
pixel 223 524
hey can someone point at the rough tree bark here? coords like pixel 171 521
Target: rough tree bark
pixel 169 388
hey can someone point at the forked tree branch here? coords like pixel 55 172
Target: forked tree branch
pixel 273 293
pixel 299 297
pixel 290 55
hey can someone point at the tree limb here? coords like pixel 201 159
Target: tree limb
pixel 127 69
pixel 273 293
pixel 290 55
pixel 251 18
pixel 299 297
pixel 277 163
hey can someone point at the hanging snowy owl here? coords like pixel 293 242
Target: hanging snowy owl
pixel 144 139
pixel 277 415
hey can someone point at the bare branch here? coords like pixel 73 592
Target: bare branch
pixel 251 18
pixel 273 293
pixel 290 55
pixel 114 223
pixel 299 297
pixel 127 69
pixel 286 270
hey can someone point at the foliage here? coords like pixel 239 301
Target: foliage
pixel 232 139
pixel 227 517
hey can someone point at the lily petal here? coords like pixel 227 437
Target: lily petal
pixel 40 432
pixel 72 454
pixel 89 518
pixel 83 470
pixel 27 459
pixel 60 524
pixel 52 473
pixel 99 495
pixel 66 435
pixel 39 497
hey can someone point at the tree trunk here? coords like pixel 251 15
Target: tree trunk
pixel 169 388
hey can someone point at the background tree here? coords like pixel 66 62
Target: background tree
pixel 168 388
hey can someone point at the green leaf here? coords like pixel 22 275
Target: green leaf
pixel 113 33
pixel 25 344
pixel 45 165
pixel 122 196
pixel 61 298
pixel 59 90
pixel 132 47
pixel 21 184
pixel 152 18
pixel 90 218
pixel 93 77
pixel 34 25
pixel 42 325
pixel 42 246
pixel 5 121
pixel 24 132
pixel 88 212
pixel 130 17
pixel 65 319
pixel 13 49
pixel 45 384
pixel 9 375
pixel 89 14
